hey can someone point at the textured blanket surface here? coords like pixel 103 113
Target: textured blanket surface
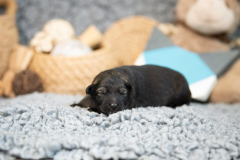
pixel 44 126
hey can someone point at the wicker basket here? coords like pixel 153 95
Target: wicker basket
pixel 8 33
pixel 71 75
pixel 122 44
pixel 129 37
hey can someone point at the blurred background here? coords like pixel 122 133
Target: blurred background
pixel 33 14
pixel 59 46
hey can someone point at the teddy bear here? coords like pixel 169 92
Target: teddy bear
pixel 208 23
pixel 51 35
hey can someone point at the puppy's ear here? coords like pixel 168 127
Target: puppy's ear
pixel 89 89
pixel 87 102
pixel 130 87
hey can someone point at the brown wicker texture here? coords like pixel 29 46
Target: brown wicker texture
pixel 71 75
pixel 8 33
pixel 1 89
pixel 129 37
pixel 122 43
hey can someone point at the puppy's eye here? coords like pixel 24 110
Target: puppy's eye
pixel 123 91
pixel 101 92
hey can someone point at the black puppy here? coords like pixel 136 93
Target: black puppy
pixel 128 87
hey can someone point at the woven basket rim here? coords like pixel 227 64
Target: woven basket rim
pixel 87 56
pixel 134 17
pixel 110 33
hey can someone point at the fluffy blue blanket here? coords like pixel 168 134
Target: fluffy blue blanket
pixel 44 126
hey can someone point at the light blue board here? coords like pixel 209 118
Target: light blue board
pixel 188 63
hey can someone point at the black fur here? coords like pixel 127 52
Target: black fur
pixel 128 87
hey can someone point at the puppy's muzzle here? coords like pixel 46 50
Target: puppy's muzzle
pixel 113 106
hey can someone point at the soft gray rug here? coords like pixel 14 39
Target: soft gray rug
pixel 44 126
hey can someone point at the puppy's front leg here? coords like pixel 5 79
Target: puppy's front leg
pixel 86 102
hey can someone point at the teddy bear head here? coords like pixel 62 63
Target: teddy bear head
pixel 209 17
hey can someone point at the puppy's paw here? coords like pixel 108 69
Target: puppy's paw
pixel 75 104
pixel 93 110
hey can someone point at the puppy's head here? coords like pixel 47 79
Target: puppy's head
pixel 110 92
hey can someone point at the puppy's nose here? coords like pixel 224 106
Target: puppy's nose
pixel 113 105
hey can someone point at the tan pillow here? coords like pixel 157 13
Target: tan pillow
pixel 227 90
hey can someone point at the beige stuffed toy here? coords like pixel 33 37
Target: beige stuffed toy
pixel 55 31
pixel 207 23
pixel 209 17
pixel 203 26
